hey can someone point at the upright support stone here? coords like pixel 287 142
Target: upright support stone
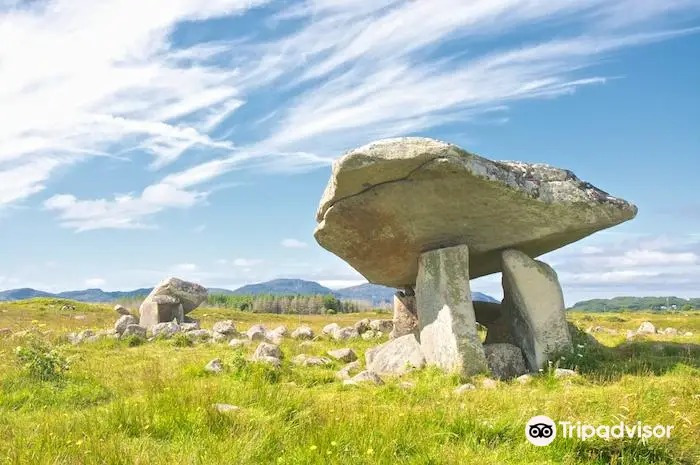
pixel 405 315
pixel 493 316
pixel 161 309
pixel 535 304
pixel 448 334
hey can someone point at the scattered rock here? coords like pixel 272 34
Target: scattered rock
pixel 274 361
pixel 238 343
pixel 305 344
pixel 265 349
pixel 303 332
pixel 256 333
pixel 226 327
pixel 362 325
pixel 5 332
pixel 280 331
pixel 688 334
pixel 189 326
pixel 219 337
pixel 107 333
pixel 364 377
pixel 199 335
pixel 383 326
pixel 226 408
pixel 345 355
pixel 371 334
pixel 524 379
pixel 670 332
pixel 329 329
pixel 165 330
pixel 347 371
pixel 407 385
pixel 214 366
pixel 489 383
pixel 135 331
pixel 120 309
pixel 79 317
pixel 564 373
pixel 310 360
pixel 397 356
pixel 464 388
pixel 123 322
pixel 343 334
pixel 505 360
pixel 646 328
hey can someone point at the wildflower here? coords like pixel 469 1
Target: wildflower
pixel 370 451
pixel 313 448
pixel 580 346
pixel 333 443
pixel 580 355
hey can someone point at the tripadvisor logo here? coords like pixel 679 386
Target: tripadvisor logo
pixel 542 430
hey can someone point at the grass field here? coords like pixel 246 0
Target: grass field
pixel 152 404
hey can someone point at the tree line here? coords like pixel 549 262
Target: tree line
pixel 292 304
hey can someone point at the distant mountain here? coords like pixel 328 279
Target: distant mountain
pixel 284 286
pixel 87 295
pixel 22 294
pixel 636 303
pixel 368 292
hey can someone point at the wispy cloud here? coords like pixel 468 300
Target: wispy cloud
pixel 335 75
pixel 95 282
pixel 294 244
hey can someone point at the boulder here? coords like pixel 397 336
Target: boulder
pixel 343 334
pixel 135 331
pixel 256 333
pixel 383 326
pixel 198 335
pixel 189 295
pixel 535 304
pixel 524 379
pixel 564 373
pixel 303 332
pixel 281 331
pixel 160 309
pixel 489 383
pixel 120 309
pixel 348 370
pixel 311 360
pixel 226 327
pixel 371 334
pixel 364 377
pixel 215 366
pixel 189 326
pixel 670 332
pixel 238 343
pixel 5 332
pixel 505 360
pixel 397 356
pixel 219 337
pixel 329 329
pixel 165 330
pixel 405 315
pixel 448 334
pixel 265 349
pixel 344 355
pixel 226 408
pixel 464 388
pixel 646 328
pixel 389 201
pixel 123 322
pixel 274 361
pixel 362 325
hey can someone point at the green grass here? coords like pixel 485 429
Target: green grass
pixel 152 404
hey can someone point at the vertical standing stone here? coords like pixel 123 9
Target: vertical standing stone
pixel 405 315
pixel 448 335
pixel 161 309
pixel 535 305
pixel 493 316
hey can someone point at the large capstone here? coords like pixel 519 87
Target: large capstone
pixel 190 295
pixel 388 202
pixel 448 336
pixel 534 301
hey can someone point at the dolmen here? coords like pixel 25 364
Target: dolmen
pixel 425 217
pixel 170 300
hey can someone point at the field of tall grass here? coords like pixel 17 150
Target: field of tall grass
pixel 153 403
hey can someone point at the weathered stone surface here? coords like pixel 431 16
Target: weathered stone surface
pixel 303 332
pixel 214 366
pixel 646 328
pixel 265 349
pixel 123 322
pixel 5 332
pixel 348 370
pixel 448 336
pixel 227 327
pixel 464 388
pixel 364 377
pixel 311 360
pixel 342 334
pixel 389 201
pixel 329 329
pixel 238 343
pixel 405 315
pixel 362 325
pixel 281 331
pixel 493 316
pixel 190 295
pixel 135 330
pixel 120 309
pixel 189 325
pixel 383 326
pixel 524 379
pixel 535 304
pixel 160 309
pixel 397 356
pixel 165 330
pixel 199 334
pixel 505 360
pixel 256 333
pixel 226 408
pixel 274 361
pixel 371 334
pixel 344 355
pixel 489 383
pixel 564 373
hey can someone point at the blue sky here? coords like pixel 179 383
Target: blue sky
pixel 194 137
